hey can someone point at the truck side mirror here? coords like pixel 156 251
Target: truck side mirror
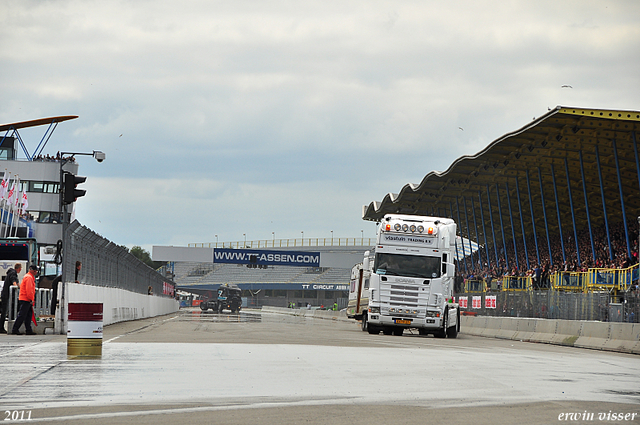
pixel 365 262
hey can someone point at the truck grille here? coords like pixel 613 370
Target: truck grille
pixel 402 295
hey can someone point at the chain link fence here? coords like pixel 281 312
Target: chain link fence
pixel 555 305
pixel 107 264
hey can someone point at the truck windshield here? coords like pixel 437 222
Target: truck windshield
pixel 407 265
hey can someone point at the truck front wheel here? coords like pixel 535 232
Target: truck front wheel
pixel 442 332
pixel 365 322
pixel 372 329
pixel 452 331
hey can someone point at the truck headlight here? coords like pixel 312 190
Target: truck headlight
pixel 433 314
pixel 374 309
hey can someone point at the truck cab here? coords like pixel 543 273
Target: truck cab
pixel 228 297
pixel 412 276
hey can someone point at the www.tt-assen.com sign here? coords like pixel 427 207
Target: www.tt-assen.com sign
pixel 270 258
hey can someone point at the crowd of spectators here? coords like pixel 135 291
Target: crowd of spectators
pixel 50 158
pixel 482 264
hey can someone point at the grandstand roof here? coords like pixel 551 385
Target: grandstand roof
pixel 548 149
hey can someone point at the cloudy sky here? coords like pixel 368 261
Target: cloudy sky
pixel 236 118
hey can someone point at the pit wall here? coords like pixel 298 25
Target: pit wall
pixel 609 336
pixel 118 305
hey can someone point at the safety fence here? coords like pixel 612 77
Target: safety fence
pixel 593 280
pixel 288 243
pixel 41 307
pixel 106 264
pixel 552 304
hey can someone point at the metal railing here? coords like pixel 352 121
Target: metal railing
pixel 288 243
pixel 593 280
pixel 553 304
pixel 42 305
pixel 106 264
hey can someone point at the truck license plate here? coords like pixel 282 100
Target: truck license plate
pixel 402 322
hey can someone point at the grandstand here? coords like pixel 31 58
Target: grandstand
pixel 561 192
pixel 277 285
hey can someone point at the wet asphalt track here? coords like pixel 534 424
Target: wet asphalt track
pixel 195 367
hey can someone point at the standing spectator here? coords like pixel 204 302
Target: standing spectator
pixel 54 294
pixel 11 279
pixel 78 268
pixel 25 303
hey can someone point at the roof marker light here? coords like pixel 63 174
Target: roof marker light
pixel 430 231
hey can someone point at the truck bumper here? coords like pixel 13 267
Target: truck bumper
pixel 414 322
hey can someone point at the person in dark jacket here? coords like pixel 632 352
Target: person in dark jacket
pixel 11 279
pixel 54 294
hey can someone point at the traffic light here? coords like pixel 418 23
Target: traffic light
pixel 70 193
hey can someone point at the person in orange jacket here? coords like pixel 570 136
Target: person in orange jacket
pixel 25 302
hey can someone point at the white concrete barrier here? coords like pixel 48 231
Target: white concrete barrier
pixel 621 337
pixel 119 305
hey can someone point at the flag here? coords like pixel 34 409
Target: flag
pixel 4 185
pixel 25 202
pixel 10 196
pixel 16 200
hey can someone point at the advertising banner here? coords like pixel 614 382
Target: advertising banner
pixel 266 257
pixel 490 301
pixel 463 302
pixel 476 302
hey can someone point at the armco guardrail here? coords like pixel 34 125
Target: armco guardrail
pixel 609 336
pixel 303 312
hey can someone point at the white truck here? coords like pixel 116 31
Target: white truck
pixel 410 273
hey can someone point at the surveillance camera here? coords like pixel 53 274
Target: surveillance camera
pixel 99 156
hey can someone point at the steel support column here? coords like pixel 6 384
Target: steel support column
pixel 466 217
pixel 573 215
pixel 484 229
pixel 533 220
pixel 604 204
pixel 586 205
pixel 504 240
pixel 635 150
pixel 461 237
pixel 624 212
pixel 544 213
pixel 495 245
pixel 475 224
pixel 555 194
pixel 524 238
pixel 513 229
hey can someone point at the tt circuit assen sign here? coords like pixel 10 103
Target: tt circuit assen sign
pixel 266 258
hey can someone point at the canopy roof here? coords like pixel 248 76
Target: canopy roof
pixel 548 151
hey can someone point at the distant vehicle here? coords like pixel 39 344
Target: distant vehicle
pixel 229 298
pixel 17 250
pixel 411 278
